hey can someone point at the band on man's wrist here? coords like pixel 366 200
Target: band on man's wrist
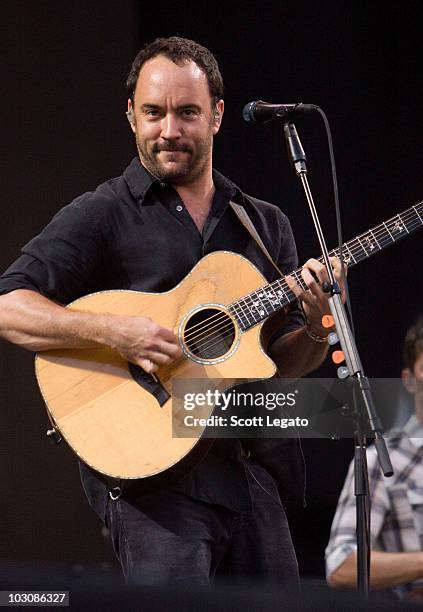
pixel 313 336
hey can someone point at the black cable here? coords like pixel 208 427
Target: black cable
pixel 338 216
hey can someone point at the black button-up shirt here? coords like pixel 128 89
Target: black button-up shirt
pixel 134 232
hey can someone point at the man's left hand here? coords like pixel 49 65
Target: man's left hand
pixel 315 300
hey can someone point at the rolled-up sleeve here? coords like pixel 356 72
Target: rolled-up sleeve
pixel 60 262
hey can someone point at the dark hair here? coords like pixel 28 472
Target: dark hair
pixel 178 50
pixel 413 344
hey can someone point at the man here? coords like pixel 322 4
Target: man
pixel 145 231
pixel 396 503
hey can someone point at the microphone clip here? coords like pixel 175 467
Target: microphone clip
pixel 295 149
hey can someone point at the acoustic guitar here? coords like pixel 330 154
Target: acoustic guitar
pixel 116 417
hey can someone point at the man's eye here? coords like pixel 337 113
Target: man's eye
pixel 189 112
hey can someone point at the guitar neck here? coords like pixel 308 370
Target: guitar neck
pixel 262 303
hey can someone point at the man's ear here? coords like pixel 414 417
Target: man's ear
pixel 130 116
pixel 217 116
pixel 409 381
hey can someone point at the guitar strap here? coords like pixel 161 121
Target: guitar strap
pixel 242 215
pixel 278 319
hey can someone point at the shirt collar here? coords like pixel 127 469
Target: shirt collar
pixel 139 181
pixel 227 187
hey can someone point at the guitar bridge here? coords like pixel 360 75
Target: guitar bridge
pixel 149 382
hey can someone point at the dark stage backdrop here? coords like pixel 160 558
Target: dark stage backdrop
pixel 63 101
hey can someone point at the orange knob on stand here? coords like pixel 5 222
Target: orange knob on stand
pixel 338 357
pixel 327 321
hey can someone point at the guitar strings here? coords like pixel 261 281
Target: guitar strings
pixel 355 245
pixel 194 337
pixel 208 341
pixel 382 236
pixel 383 232
pixel 358 248
pixel 238 310
pixel 219 314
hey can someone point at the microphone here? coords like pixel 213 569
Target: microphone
pixel 262 112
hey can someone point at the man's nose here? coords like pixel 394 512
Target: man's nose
pixel 170 127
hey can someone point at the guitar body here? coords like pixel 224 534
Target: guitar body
pixel 116 425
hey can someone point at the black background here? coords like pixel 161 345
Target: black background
pixel 64 131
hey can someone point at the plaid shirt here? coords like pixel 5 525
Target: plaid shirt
pixel 396 503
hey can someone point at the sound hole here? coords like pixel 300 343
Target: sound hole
pixel 209 333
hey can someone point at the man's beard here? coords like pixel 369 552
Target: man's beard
pixel 186 172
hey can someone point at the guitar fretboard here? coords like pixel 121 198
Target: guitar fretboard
pixel 260 304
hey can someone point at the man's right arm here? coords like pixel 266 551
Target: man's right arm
pixel 36 323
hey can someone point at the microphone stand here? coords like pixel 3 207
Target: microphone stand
pixel 354 370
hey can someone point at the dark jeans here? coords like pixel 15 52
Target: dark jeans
pixel 167 537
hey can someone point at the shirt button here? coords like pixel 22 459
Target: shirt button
pixel 179 208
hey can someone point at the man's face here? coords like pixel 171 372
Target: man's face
pixel 173 120
pixel 413 381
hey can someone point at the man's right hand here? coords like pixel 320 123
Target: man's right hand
pixel 143 342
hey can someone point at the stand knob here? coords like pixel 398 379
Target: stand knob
pixel 333 338
pixel 343 372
